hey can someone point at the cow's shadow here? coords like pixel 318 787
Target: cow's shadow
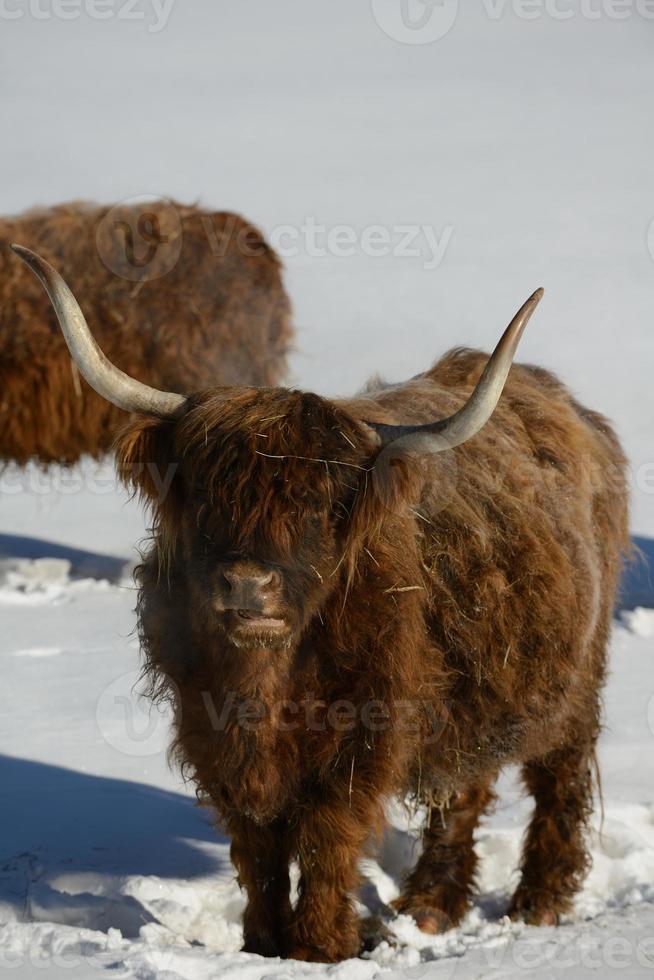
pixel 65 836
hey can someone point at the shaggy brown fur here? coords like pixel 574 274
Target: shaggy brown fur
pixel 444 616
pixel 220 315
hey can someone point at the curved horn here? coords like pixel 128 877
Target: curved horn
pixel 108 380
pixel 469 419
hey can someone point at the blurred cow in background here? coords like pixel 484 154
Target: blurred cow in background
pixel 181 298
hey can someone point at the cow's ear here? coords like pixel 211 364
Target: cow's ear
pixel 147 465
pixel 392 488
pixel 370 435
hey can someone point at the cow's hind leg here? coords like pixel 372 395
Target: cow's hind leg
pixel 555 857
pixel 438 890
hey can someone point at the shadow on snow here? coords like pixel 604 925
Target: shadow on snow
pixel 83 564
pixel 637 586
pixel 638 580
pixel 67 837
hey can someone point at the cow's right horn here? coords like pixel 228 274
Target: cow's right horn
pixel 108 380
pixel 447 433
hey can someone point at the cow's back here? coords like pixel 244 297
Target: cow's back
pixel 522 531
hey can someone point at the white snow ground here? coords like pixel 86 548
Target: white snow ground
pixel 525 144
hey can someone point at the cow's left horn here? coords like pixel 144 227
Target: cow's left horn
pixel 108 380
pixel 469 419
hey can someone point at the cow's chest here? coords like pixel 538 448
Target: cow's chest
pixel 264 762
pixel 256 768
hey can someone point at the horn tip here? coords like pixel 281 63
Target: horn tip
pixel 537 295
pixel 26 254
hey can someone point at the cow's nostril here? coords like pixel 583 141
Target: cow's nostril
pixel 239 585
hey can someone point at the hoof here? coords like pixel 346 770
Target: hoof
pixel 309 954
pixel 537 909
pixel 374 931
pixel 262 947
pixel 535 917
pixel 433 922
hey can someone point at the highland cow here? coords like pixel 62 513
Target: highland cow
pixel 347 601
pixel 181 298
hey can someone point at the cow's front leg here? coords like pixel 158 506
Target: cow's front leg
pixel 260 855
pixel 329 841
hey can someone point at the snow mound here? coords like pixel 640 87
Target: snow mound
pixel 640 621
pixel 43 581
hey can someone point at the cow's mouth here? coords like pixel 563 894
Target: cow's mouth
pixel 250 619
